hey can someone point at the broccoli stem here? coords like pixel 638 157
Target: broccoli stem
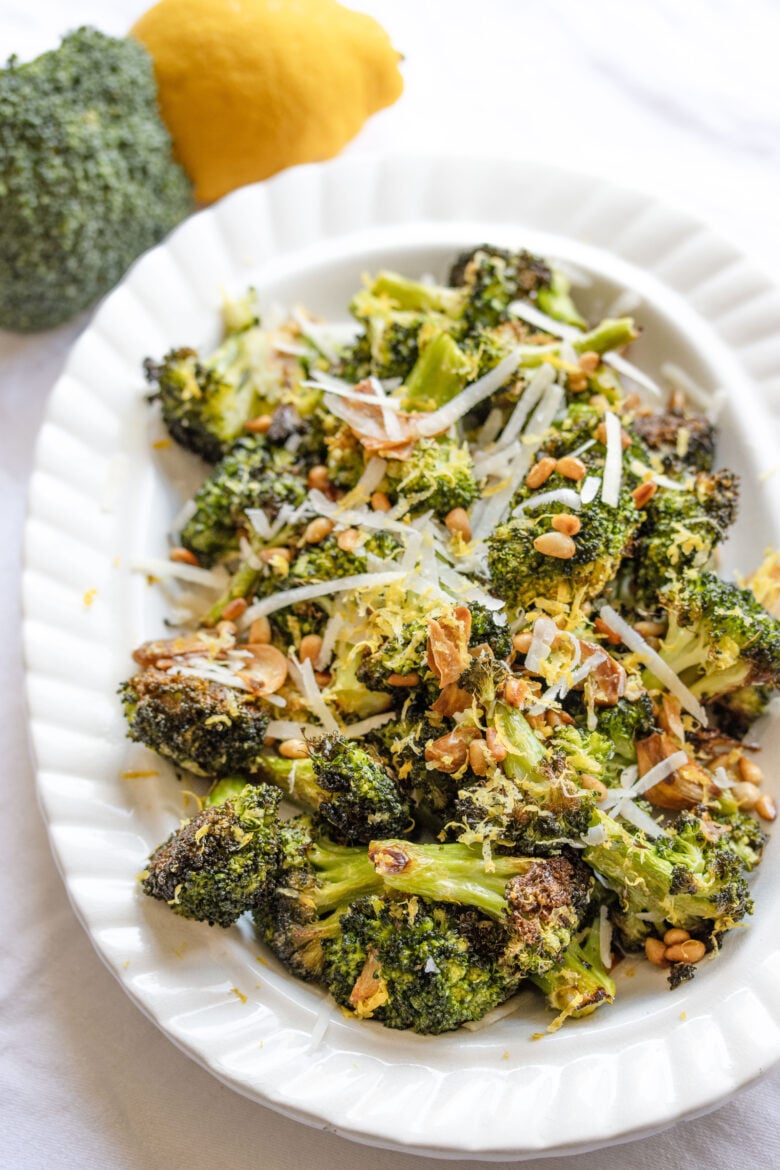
pixel 609 334
pixel 579 983
pixel 224 790
pixel 440 372
pixel 242 584
pixel 296 779
pixel 525 750
pixel 344 873
pixel 556 301
pixel 413 295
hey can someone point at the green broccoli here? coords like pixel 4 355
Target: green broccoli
pixel 87 178
pixel 401 744
pixel 579 983
pixel 683 441
pixel 490 279
pixel 489 627
pixel 223 861
pixel 437 476
pixel 440 372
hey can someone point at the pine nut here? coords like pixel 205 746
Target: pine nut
pixel 322 677
pixel 602 627
pixel 478 757
pixel 655 951
pixel 540 472
pixel 692 951
pixel 570 467
pixel 259 425
pixel 555 544
pixel 272 554
pixel 595 785
pixel 293 749
pixel 598 402
pixel 746 795
pixel 318 478
pixel 403 680
pixel 590 361
pixel 649 629
pixel 457 522
pixel 515 692
pixel 496 747
pixel 766 807
pixel 183 556
pixel 317 530
pixel 676 935
pixel 260 632
pixel 577 381
pixel 522 642
pixel 380 502
pixel 727 761
pixel 749 771
pixel 349 539
pixel 234 609
pixel 310 647
pixel 566 523
pixel 643 494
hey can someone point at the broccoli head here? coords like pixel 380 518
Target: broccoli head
pixel 87 176
pixel 683 441
pixel 579 983
pixel 491 278
pixel 438 476
pixel 489 627
pixel 223 861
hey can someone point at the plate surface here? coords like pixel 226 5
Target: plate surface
pixel 99 498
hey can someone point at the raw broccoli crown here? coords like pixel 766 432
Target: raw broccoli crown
pixel 222 862
pixel 438 475
pixel 360 800
pixel 205 727
pixel 416 965
pixel 86 176
pixel 252 475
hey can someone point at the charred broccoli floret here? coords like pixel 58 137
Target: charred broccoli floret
pixel 539 901
pixel 684 441
pixel 438 476
pixel 736 712
pixel 492 278
pixel 431 792
pixel 252 475
pixel 206 727
pixel 409 963
pixel 720 639
pixel 489 627
pixel 223 861
pixel 579 983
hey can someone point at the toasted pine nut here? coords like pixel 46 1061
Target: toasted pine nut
pixel 566 523
pixel 183 556
pixel 649 629
pixel 322 677
pixel 595 785
pixel 727 760
pixel 692 951
pixel 234 609
pixel 496 747
pixel 602 627
pixel 317 478
pixel 260 631
pixel 655 951
pixel 522 642
pixel 643 494
pixel 272 554
pixel 749 771
pixel 590 361
pixel 259 425
pixel 310 647
pixel 380 502
pixel 555 544
pixel 293 749
pixel 571 467
pixel 317 530
pixel 766 807
pixel 457 522
pixel 746 795
pixel 577 381
pixel 540 472
pixel 515 692
pixel 349 539
pixel 403 680
pixel 478 757
pixel 676 935
pixel 598 402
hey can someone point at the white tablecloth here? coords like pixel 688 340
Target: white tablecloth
pixel 680 99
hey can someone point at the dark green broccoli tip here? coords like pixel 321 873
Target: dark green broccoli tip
pixel 207 728
pixel 437 476
pixel 359 798
pixel 539 901
pixel 490 628
pixel 252 475
pixel 411 964
pixel 579 983
pixel 491 278
pixel 87 177
pixel 222 862
pixel 685 442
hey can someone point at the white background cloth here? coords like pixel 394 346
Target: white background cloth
pixel 682 99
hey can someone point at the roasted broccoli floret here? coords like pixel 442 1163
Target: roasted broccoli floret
pixel 409 963
pixel 742 832
pixel 326 560
pixel 690 877
pixel 491 279
pixel 489 627
pixel 684 441
pixel 437 476
pixel 316 882
pixel 431 792
pixel 252 475
pixel 87 177
pixel 539 901
pixel 720 639
pixel 579 983
pixel 223 861
pixel 206 727
pixel 354 796
pixel 736 712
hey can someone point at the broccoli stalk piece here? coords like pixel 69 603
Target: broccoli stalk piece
pixel 440 372
pixel 417 965
pixel 579 983
pixel 720 639
pixel 221 862
pixel 87 176
pixel 538 900
pixel 556 301
pixel 355 797
pixel 690 877
pixel 243 583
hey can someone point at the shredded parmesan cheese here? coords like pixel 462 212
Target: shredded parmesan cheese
pixel 613 464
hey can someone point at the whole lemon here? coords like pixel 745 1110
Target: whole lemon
pixel 248 87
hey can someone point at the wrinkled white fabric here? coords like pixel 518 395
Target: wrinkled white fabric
pixel 680 99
